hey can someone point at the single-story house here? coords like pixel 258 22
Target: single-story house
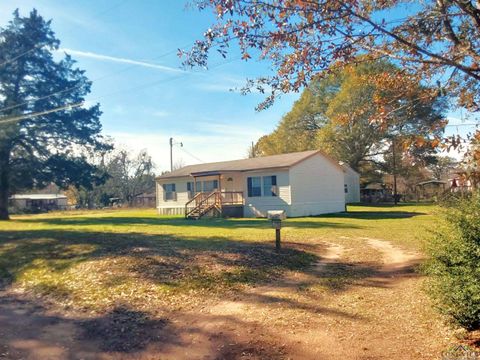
pixel 302 183
pixel 38 202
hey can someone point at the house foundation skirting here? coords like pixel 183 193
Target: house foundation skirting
pixel 178 210
pixel 227 211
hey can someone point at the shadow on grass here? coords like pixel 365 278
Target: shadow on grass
pixel 30 330
pixel 172 260
pixel 375 215
pixel 311 222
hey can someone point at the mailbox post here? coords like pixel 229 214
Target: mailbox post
pixel 276 216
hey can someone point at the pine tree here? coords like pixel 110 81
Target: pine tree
pixel 37 150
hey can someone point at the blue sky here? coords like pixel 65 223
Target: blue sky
pixel 128 49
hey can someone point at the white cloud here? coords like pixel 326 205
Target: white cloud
pixel 101 57
pixel 161 113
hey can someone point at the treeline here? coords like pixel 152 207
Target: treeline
pixel 343 114
pixel 121 175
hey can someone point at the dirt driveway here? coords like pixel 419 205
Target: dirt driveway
pixel 363 300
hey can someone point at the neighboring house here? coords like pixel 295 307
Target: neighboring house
pixel 38 202
pixel 303 184
pixel 463 180
pixel 351 185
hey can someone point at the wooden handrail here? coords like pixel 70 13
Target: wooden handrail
pixel 203 201
pixel 198 205
pixel 232 197
pixel 193 199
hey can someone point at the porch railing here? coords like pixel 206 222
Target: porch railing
pixel 232 197
pixel 203 201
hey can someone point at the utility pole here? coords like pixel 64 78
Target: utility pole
pixel 395 200
pixel 171 151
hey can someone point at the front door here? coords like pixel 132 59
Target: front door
pixel 229 184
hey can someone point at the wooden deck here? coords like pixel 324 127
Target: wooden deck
pixel 214 202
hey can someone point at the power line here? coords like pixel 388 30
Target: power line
pixel 103 12
pixel 158 82
pixel 65 107
pixel 20 55
pixel 80 85
pixel 190 154
pixel 40 113
pixel 456 125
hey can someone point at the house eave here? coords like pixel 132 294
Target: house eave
pixel 220 172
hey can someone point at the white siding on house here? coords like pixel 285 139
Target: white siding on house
pixel 317 185
pixel 259 205
pixel 177 207
pixel 173 207
pixel 352 184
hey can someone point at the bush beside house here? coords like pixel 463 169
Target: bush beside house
pixel 454 265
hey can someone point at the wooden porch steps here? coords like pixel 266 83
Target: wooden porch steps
pixel 204 203
pixel 207 203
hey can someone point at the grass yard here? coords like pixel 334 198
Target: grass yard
pixel 119 284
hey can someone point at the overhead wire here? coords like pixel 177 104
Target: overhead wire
pixel 190 154
pixel 39 113
pixel 103 12
pixel 67 106
pixel 11 107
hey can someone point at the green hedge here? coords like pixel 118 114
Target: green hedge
pixel 454 264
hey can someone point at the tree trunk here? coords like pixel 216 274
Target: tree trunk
pixel 4 183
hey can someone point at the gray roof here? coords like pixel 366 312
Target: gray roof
pixel 38 196
pixel 433 181
pixel 347 167
pixel 258 163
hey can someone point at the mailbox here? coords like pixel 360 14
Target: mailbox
pixel 276 216
pixel 276 223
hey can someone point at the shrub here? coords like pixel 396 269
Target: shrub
pixel 454 264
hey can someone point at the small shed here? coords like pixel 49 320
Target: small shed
pixel 38 202
pixel 145 200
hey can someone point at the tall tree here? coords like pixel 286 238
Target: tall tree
pixel 431 40
pixel 442 166
pixel 43 122
pixel 339 114
pixel 305 37
pixel 130 176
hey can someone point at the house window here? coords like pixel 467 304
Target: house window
pixel 254 185
pixel 190 189
pixel 270 185
pixel 169 192
pixel 209 186
pixel 198 186
pixel 345 186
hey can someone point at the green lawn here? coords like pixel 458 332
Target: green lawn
pixel 96 259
